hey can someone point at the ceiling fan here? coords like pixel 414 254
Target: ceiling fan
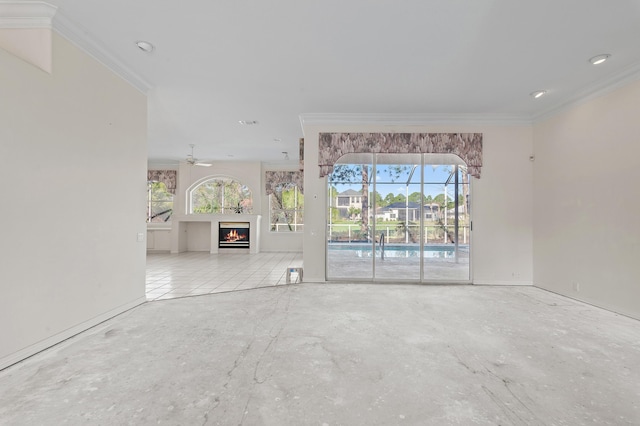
pixel 194 161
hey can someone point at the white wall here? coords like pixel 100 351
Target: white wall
pixel 73 151
pixel 586 228
pixel 249 173
pixel 502 244
pixel 502 240
pixel 31 44
pixel 198 236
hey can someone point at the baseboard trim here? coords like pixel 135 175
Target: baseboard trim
pixel 314 279
pixel 613 309
pixel 31 350
pixel 497 282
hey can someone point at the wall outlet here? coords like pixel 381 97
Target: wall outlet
pixel 576 286
pixel 140 237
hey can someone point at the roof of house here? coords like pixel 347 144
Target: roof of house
pixel 400 205
pixel 349 192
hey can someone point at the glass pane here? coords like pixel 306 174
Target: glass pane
pixel 397 220
pixel 349 246
pixel 207 198
pixel 398 204
pixel 221 195
pixel 159 204
pixel 444 260
pixel 286 205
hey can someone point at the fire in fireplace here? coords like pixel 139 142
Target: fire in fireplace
pixel 233 235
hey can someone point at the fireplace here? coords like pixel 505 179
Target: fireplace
pixel 233 235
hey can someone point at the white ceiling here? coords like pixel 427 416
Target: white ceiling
pixel 217 62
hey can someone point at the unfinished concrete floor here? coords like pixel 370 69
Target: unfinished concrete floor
pixel 339 354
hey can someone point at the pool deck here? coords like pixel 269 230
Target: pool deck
pixel 348 263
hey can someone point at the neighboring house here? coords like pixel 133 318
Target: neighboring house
pixel 399 211
pixel 431 211
pixel 347 200
pixel 451 213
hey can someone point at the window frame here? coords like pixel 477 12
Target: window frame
pixel 297 211
pixel 150 202
pixel 245 205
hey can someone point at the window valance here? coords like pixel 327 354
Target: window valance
pixel 467 146
pixel 273 179
pixel 168 177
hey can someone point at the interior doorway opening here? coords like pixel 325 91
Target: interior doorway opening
pixel 399 217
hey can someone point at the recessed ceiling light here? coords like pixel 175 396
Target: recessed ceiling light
pixel 248 122
pixel 277 140
pixel 597 60
pixel 145 46
pixel 538 93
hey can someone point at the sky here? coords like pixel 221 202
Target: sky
pixel 434 177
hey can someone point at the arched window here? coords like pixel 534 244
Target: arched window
pixel 220 195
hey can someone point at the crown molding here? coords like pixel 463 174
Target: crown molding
pixel 38 14
pixel 81 39
pixel 595 90
pixel 27 14
pixel 414 119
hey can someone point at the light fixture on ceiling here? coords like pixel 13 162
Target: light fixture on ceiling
pixel 248 122
pixel 194 161
pixel 538 94
pixel 598 59
pixel 286 155
pixel 145 46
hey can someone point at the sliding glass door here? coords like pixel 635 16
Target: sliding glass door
pixel 446 223
pixel 351 248
pixel 398 217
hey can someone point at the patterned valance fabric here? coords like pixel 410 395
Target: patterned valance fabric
pixel 467 146
pixel 301 145
pixel 276 178
pixel 168 177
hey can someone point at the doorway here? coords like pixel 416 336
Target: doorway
pixel 399 217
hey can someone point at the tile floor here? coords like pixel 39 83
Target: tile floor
pixel 170 276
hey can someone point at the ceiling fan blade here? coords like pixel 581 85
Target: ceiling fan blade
pixel 194 161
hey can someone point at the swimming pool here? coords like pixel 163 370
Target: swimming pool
pixel 432 251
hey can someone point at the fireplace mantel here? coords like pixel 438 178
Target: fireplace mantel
pixel 179 234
